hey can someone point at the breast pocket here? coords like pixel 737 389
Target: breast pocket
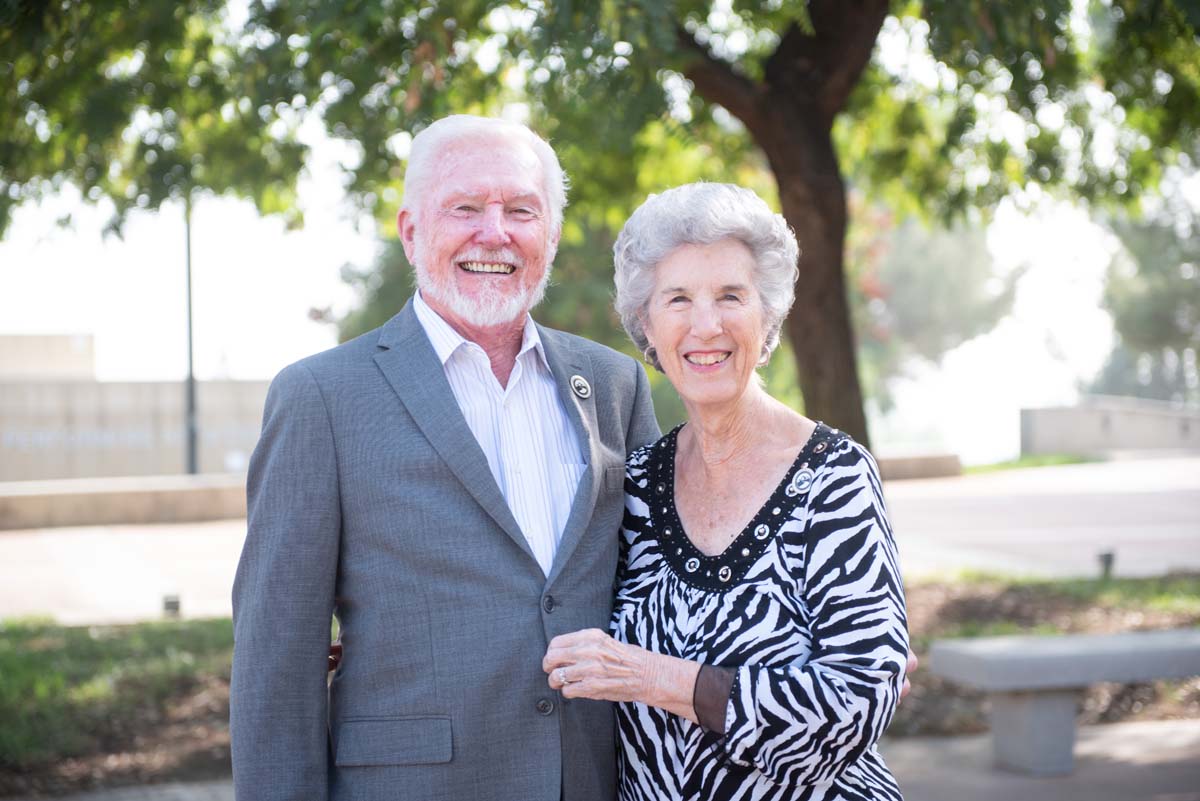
pixel 421 740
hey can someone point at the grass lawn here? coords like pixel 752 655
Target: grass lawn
pixel 110 705
pixel 77 692
pixel 1041 460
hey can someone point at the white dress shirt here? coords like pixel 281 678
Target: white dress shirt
pixel 523 429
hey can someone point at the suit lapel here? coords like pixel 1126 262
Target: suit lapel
pixel 411 366
pixel 566 364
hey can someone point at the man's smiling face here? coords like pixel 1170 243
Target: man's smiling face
pixel 482 240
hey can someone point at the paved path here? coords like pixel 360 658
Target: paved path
pixel 1119 762
pixel 100 574
pixel 1048 520
pixel 1052 521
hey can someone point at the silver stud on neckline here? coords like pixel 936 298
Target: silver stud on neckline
pixel 692 565
pixel 801 482
pixel 725 573
pixel 761 531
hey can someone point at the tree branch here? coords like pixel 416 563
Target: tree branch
pixel 825 67
pixel 716 81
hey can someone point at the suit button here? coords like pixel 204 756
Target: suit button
pixel 548 604
pixel 545 706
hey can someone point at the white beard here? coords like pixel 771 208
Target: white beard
pixel 493 306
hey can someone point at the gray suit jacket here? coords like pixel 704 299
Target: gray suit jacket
pixel 370 498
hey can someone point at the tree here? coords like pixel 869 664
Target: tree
pixel 1021 94
pixel 138 103
pixel 980 100
pixel 1153 293
pixel 917 291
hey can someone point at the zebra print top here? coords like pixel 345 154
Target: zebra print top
pixel 807 607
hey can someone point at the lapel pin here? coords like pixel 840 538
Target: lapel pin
pixel 581 387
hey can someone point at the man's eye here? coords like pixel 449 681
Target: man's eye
pixel 524 213
pixel 678 299
pixel 733 297
pixel 464 208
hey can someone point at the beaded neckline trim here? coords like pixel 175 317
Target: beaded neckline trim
pixel 726 569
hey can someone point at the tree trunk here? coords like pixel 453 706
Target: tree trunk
pixel 819 328
pixel 806 83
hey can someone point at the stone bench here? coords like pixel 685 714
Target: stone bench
pixel 1035 683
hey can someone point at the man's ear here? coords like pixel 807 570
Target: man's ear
pixel 406 227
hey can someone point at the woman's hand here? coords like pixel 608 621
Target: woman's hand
pixel 591 664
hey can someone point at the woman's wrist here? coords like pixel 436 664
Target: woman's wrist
pixel 669 684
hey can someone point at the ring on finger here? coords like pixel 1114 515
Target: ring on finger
pixel 562 676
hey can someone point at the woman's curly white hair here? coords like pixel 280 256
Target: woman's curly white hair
pixel 701 214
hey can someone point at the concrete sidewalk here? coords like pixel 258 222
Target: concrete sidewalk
pixel 1153 761
pixel 1041 521
pixel 1119 762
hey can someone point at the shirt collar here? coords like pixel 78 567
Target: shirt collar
pixel 446 341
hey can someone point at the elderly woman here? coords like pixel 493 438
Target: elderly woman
pixel 758 636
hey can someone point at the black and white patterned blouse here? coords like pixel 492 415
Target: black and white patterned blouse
pixel 807 607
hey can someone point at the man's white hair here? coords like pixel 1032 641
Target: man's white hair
pixel 431 142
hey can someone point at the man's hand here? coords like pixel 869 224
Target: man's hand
pixel 908 670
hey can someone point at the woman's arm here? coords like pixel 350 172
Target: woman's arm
pixel 804 723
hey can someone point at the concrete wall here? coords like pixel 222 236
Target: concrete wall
pixel 1100 425
pixel 82 429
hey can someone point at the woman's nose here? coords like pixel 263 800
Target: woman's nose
pixel 706 320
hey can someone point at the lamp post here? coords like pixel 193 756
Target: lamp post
pixel 190 391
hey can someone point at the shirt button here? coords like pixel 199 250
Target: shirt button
pixel 548 604
pixel 545 706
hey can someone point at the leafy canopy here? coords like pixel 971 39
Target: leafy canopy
pixel 138 102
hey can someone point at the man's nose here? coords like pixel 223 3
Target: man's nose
pixel 493 229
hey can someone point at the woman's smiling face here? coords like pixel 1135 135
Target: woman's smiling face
pixel 705 321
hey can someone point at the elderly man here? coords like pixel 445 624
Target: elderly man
pixel 450 487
